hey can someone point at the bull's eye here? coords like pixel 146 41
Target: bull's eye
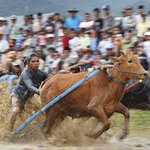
pixel 130 61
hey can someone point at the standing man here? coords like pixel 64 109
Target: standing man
pixel 27 86
pixel 14 29
pixel 98 24
pixel 4 47
pixel 108 19
pixel 141 11
pixel 73 21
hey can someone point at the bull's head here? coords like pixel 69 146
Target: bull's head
pixel 130 64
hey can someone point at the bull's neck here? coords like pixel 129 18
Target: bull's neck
pixel 118 89
pixel 122 77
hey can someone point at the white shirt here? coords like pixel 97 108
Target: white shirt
pixel 102 46
pixel 146 49
pixel 3 46
pixel 73 44
pixel 138 19
pixel 86 24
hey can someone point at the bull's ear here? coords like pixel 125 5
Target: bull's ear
pixel 114 59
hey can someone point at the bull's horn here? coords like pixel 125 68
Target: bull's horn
pixel 123 52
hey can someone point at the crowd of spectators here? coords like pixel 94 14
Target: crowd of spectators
pixel 74 43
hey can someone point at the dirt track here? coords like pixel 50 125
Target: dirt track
pixel 70 134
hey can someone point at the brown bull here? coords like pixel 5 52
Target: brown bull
pixel 99 96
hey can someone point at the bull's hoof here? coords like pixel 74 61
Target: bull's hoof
pixel 125 133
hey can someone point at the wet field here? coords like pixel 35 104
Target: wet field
pixel 70 134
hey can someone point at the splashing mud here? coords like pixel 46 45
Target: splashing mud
pixel 70 132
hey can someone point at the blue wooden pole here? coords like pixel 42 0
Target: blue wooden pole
pixel 53 102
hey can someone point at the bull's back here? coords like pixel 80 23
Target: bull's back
pixel 57 84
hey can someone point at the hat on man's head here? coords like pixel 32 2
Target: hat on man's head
pixel 31 16
pixel 73 10
pixel 13 17
pixel 38 48
pixel 140 7
pixel 50 35
pixel 110 46
pixel 106 7
pixel 129 8
pixel 39 14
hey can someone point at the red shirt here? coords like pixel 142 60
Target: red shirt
pixel 65 42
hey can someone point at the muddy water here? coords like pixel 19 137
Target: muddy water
pixel 70 134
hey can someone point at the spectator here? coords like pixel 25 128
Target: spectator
pixel 146 47
pixel 98 24
pixel 139 18
pixel 20 38
pixel 65 39
pixel 49 60
pixel 26 48
pixel 14 69
pixel 50 42
pixel 58 24
pixel 5 30
pixel 73 21
pixel 84 39
pixel 50 26
pixel 103 43
pixel 142 27
pixel 108 19
pixel 74 43
pixel 14 28
pixel 129 22
pixel 87 23
pixel 39 25
pixel 39 52
pixel 129 40
pixel 4 46
pixel 42 39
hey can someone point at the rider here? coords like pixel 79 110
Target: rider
pixel 28 85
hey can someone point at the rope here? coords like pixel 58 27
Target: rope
pixel 123 71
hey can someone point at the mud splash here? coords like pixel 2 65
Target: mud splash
pixel 71 133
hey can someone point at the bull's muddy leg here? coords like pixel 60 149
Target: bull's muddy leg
pixel 50 119
pixel 124 111
pixel 99 113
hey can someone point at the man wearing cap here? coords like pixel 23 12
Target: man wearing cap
pixel 37 26
pixel 50 42
pixel 108 19
pixel 73 21
pixel 103 43
pixel 140 12
pixel 14 29
pixel 26 48
pixel 87 23
pixel 98 24
pixel 129 22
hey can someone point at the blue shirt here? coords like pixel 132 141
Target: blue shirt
pixel 73 23
pixel 28 84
